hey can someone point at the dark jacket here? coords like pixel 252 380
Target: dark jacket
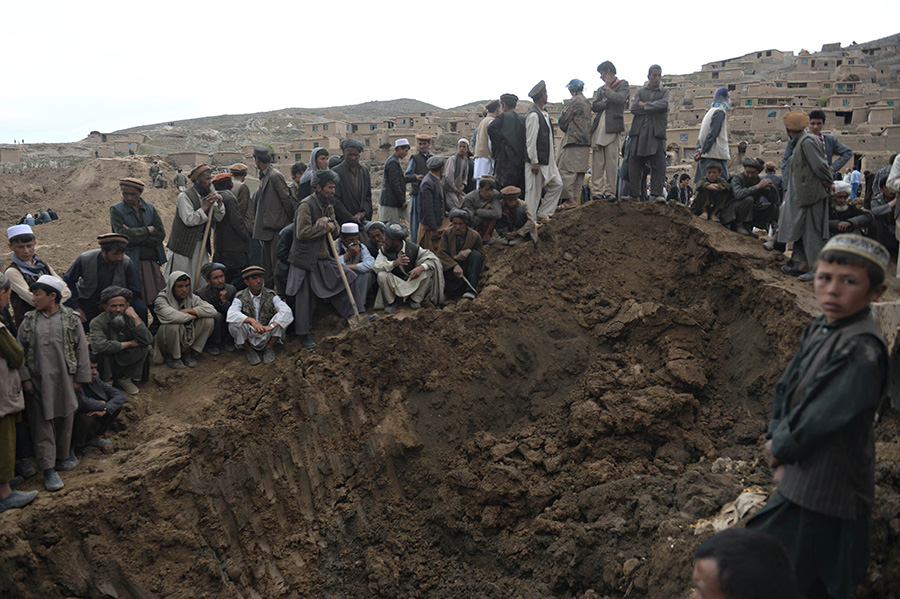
pixel 231 232
pixel 285 241
pixel 657 111
pixel 142 245
pixel 97 396
pixel 347 200
pixel 610 100
pixel 832 146
pixel 393 185
pixel 575 121
pixel 274 208
pixel 431 203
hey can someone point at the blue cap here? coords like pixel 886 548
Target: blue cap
pixel 575 84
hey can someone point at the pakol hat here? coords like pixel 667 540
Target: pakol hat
pixel 349 229
pixel 108 238
pixel 492 105
pixel 435 162
pixel 197 171
pixel 537 90
pixel 252 271
pixel 373 224
pixel 796 120
pixel 239 168
pixel 510 191
pixel 16 230
pixel 488 179
pixel 423 137
pixel 770 166
pixel 222 177
pixel 858 245
pixel 207 269
pixel 131 182
pixel 509 99
pixel 263 153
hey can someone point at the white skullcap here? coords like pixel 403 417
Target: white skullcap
pixel 401 142
pixel 16 230
pixel 463 140
pixel 841 187
pixel 51 281
pixel 349 229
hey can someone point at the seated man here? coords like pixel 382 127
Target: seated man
pixel 460 254
pixel 406 270
pixel 186 322
pixel 252 307
pixel 218 294
pixel 120 340
pixel 753 202
pixel 355 256
pixel 516 222
pixel 682 192
pixel 844 217
pixel 98 406
pixel 885 216
pixel 95 270
pixel 374 229
pixel 712 193
pixel 484 205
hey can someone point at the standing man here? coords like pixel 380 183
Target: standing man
pixel 232 240
pixel 57 362
pixel 274 210
pixel 25 269
pixel 154 170
pixel 415 172
pixel 245 204
pixel 432 208
pixel 484 164
pixel 855 180
pixel 606 131
pixel 804 216
pixel 353 197
pixel 141 224
pixel 833 146
pixel 297 170
pixel 507 134
pixel 392 205
pixel 180 181
pixel 192 212
pixel 575 121
pixel 650 108
pixel 712 142
pixel 541 170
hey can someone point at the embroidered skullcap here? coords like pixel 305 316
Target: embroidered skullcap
pixel 115 291
pixel 492 105
pixel 575 85
pixel 51 281
pixel 756 163
pixel 112 238
pixel 197 171
pixel 858 245
pixel 207 269
pixel 460 213
pixel 239 168
pixel 131 182
pixel 401 142
pixel 796 120
pixel 841 187
pixel 539 88
pixel 222 177
pixel 16 230
pixel 396 231
pixel 349 229
pixel 373 224
pixel 435 162
pixel 263 153
pixel 510 191
pixel 350 142
pixel 423 137
pixel 721 93
pixel 324 176
pixel 252 271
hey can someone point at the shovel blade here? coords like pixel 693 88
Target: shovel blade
pixel 357 321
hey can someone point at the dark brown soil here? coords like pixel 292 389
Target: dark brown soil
pixel 557 437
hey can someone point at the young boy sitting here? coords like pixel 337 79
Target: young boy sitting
pixel 712 193
pixel 821 437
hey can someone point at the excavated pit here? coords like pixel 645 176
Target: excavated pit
pixel 557 437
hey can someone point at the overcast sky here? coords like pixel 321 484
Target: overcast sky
pixel 72 67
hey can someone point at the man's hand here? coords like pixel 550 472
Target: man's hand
pixel 535 168
pixel 190 312
pixel 127 344
pixel 150 228
pixel 844 226
pixel 416 272
pixel 98 414
pixel 81 314
pixel 641 103
pixel 764 183
pixel 463 255
pixel 770 458
pixel 258 328
pixel 697 155
pixel 358 217
pixel 713 186
pixel 512 235
pixel 223 294
pixel 419 177
pixel 402 260
pixel 458 271
pixel 322 223
pixel 779 473
pixel 352 250
pixel 130 313
pixel 28 386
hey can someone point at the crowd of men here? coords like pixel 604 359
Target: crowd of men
pixel 74 345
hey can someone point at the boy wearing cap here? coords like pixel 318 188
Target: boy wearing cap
pixel 252 307
pixel 24 270
pixel 821 439
pixel 57 362
pixel 392 204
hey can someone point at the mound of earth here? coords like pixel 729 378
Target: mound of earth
pixel 559 436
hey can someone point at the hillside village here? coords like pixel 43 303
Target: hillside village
pixel 857 87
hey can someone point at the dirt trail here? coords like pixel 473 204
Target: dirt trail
pixel 558 436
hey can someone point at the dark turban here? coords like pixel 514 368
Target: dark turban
pixel 352 143
pixel 324 176
pixel 114 291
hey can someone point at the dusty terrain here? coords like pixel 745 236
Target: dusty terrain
pixel 559 436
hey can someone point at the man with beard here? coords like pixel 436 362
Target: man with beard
pixel 274 210
pixel 251 308
pixel 186 322
pixel 753 201
pixel 460 256
pixel 541 171
pixel 141 224
pixel 95 270
pixel 484 206
pixel 392 205
pixel 843 217
pixel 194 208
pixel 507 134
pixel 574 154
pixel 415 172
pixel 219 294
pixel 232 239
pixel 353 196
pixel 314 272
pixel 120 340
pixel 407 271
pixel 24 269
pixel 650 107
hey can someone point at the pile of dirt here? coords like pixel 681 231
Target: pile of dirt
pixel 558 436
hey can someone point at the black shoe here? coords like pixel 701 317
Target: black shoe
pixel 175 363
pixel 307 341
pixel 189 360
pixel 213 349
pixel 24 469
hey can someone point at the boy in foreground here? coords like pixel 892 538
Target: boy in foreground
pixel 821 439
